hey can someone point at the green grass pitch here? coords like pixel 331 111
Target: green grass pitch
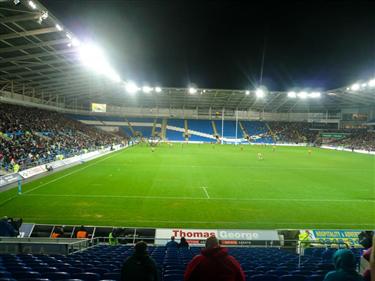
pixel 206 186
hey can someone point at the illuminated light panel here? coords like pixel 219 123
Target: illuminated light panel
pixel 302 95
pixel 371 83
pixel 32 5
pixel 355 87
pixel 192 90
pixel 147 89
pixel 157 89
pixel 93 58
pixel 76 42
pixel 59 28
pixel 131 87
pixel 247 92
pixel 314 95
pixel 292 95
pixel 259 93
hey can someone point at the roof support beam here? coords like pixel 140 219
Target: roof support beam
pixel 28 33
pixel 36 45
pixel 26 17
pixel 38 55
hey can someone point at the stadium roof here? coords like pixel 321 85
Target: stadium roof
pixel 39 57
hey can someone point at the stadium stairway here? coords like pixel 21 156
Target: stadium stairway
pixel 244 131
pixel 130 127
pixel 186 130
pixel 271 132
pixel 103 262
pixel 164 129
pixel 214 128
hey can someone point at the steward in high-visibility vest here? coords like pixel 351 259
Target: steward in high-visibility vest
pixel 16 168
pixel 112 239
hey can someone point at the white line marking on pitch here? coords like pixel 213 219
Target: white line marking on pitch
pixel 68 174
pixel 200 198
pixel 54 180
pixel 205 191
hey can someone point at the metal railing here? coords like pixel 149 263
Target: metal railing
pixel 63 246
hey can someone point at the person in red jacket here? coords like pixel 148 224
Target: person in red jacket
pixel 214 264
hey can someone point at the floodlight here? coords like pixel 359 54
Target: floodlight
pixel 302 95
pixel 75 42
pixel 69 36
pixel 147 89
pixel 247 92
pixel 292 95
pixel 114 76
pixel 347 88
pixel 371 83
pixel 192 90
pixel 93 58
pixel 332 94
pixel 16 2
pixel 59 28
pixel 364 85
pixel 131 87
pixel 32 5
pixel 355 87
pixel 259 93
pixel 314 95
pixel 44 15
pixel 157 89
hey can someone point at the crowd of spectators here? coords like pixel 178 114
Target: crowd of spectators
pixel 31 136
pixel 301 132
pixel 357 139
pixel 292 132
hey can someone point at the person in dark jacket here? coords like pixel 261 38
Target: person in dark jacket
pixel 345 265
pixel 183 243
pixel 214 264
pixel 140 266
pixel 6 228
pixel 172 243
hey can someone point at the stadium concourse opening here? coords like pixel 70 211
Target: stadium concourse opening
pixel 109 163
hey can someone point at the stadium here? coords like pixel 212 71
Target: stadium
pixel 282 178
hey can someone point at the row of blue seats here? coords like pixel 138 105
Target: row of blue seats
pixel 104 262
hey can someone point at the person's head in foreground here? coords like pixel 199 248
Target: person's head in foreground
pixel 212 242
pixel 140 249
pixel 345 267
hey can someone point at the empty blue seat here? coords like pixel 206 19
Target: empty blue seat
pixel 26 274
pixel 291 277
pixel 87 276
pixel 315 277
pixel 264 277
pixel 112 276
pixel 56 275
pixel 5 274
pixel 99 270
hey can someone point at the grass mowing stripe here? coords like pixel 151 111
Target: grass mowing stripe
pixel 68 174
pixel 54 180
pixel 198 198
pixel 238 222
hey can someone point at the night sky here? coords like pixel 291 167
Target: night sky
pixel 323 45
